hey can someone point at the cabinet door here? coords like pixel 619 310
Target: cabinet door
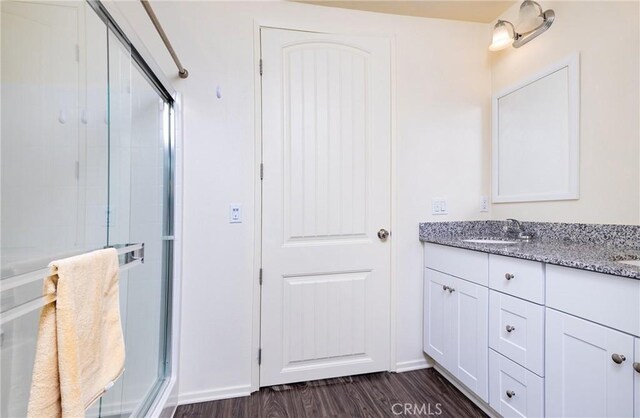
pixel 582 379
pixel 471 329
pixel 437 318
pixel 636 388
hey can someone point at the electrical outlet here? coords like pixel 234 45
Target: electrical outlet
pixel 484 204
pixel 235 214
pixel 439 206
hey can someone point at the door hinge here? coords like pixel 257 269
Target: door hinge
pixel 260 66
pixel 261 171
pixel 259 356
pixel 260 277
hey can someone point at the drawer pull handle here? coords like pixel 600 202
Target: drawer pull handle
pixel 636 367
pixel 510 328
pixel 618 358
pixel 509 276
pixel 511 393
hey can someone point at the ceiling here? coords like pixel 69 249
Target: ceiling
pixel 470 10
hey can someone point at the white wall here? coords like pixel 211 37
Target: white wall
pixel 606 34
pixel 442 97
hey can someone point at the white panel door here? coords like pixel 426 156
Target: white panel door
pixel 326 194
pixel 470 330
pixel 582 378
pixel 438 336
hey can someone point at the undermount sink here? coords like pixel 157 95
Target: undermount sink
pixel 489 241
pixel 631 262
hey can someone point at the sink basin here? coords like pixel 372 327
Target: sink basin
pixel 490 241
pixel 631 262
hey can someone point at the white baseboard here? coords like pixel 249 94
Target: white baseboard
pixel 214 394
pixel 407 366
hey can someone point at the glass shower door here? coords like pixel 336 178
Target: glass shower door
pixel 86 162
pixel 139 208
pixel 54 155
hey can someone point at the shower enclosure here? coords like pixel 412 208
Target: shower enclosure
pixel 87 161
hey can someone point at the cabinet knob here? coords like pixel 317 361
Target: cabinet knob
pixel 445 287
pixel 509 276
pixel 510 328
pixel 618 358
pixel 451 290
pixel 511 394
pixel 636 367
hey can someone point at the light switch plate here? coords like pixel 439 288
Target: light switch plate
pixel 439 206
pixel 235 214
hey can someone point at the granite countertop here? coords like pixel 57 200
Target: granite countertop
pixel 590 247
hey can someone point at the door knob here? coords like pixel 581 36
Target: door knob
pixel 509 276
pixel 383 234
pixel 510 328
pixel 636 367
pixel 618 358
pixel 511 393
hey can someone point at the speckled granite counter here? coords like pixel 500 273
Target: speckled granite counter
pixel 584 246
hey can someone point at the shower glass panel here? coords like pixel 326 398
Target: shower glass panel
pixel 86 161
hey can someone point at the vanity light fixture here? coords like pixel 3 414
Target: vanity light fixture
pixel 532 22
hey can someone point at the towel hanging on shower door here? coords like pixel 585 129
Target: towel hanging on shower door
pixel 80 349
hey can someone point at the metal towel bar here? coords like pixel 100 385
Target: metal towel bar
pixel 134 256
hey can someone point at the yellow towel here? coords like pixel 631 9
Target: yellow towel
pixel 80 348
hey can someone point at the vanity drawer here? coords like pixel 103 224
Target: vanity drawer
pixel 508 378
pixel 516 330
pixel 608 300
pixel 521 278
pixel 465 264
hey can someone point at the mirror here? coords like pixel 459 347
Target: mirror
pixel 535 137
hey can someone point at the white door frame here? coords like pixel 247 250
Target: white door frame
pixel 257 252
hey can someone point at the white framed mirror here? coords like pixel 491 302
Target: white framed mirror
pixel 535 150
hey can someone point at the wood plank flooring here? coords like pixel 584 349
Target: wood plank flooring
pixel 425 392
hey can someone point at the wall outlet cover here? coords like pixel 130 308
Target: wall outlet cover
pixel 484 204
pixel 235 214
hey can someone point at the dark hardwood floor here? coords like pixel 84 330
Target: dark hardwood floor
pixel 420 393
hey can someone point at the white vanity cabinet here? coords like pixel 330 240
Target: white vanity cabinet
pixel 593 320
pixel 456 321
pixel 534 339
pixel 586 373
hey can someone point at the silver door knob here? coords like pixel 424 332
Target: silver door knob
pixel 636 367
pixel 509 276
pixel 510 328
pixel 383 234
pixel 511 393
pixel 618 358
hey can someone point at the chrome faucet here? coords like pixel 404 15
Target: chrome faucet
pixel 514 226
